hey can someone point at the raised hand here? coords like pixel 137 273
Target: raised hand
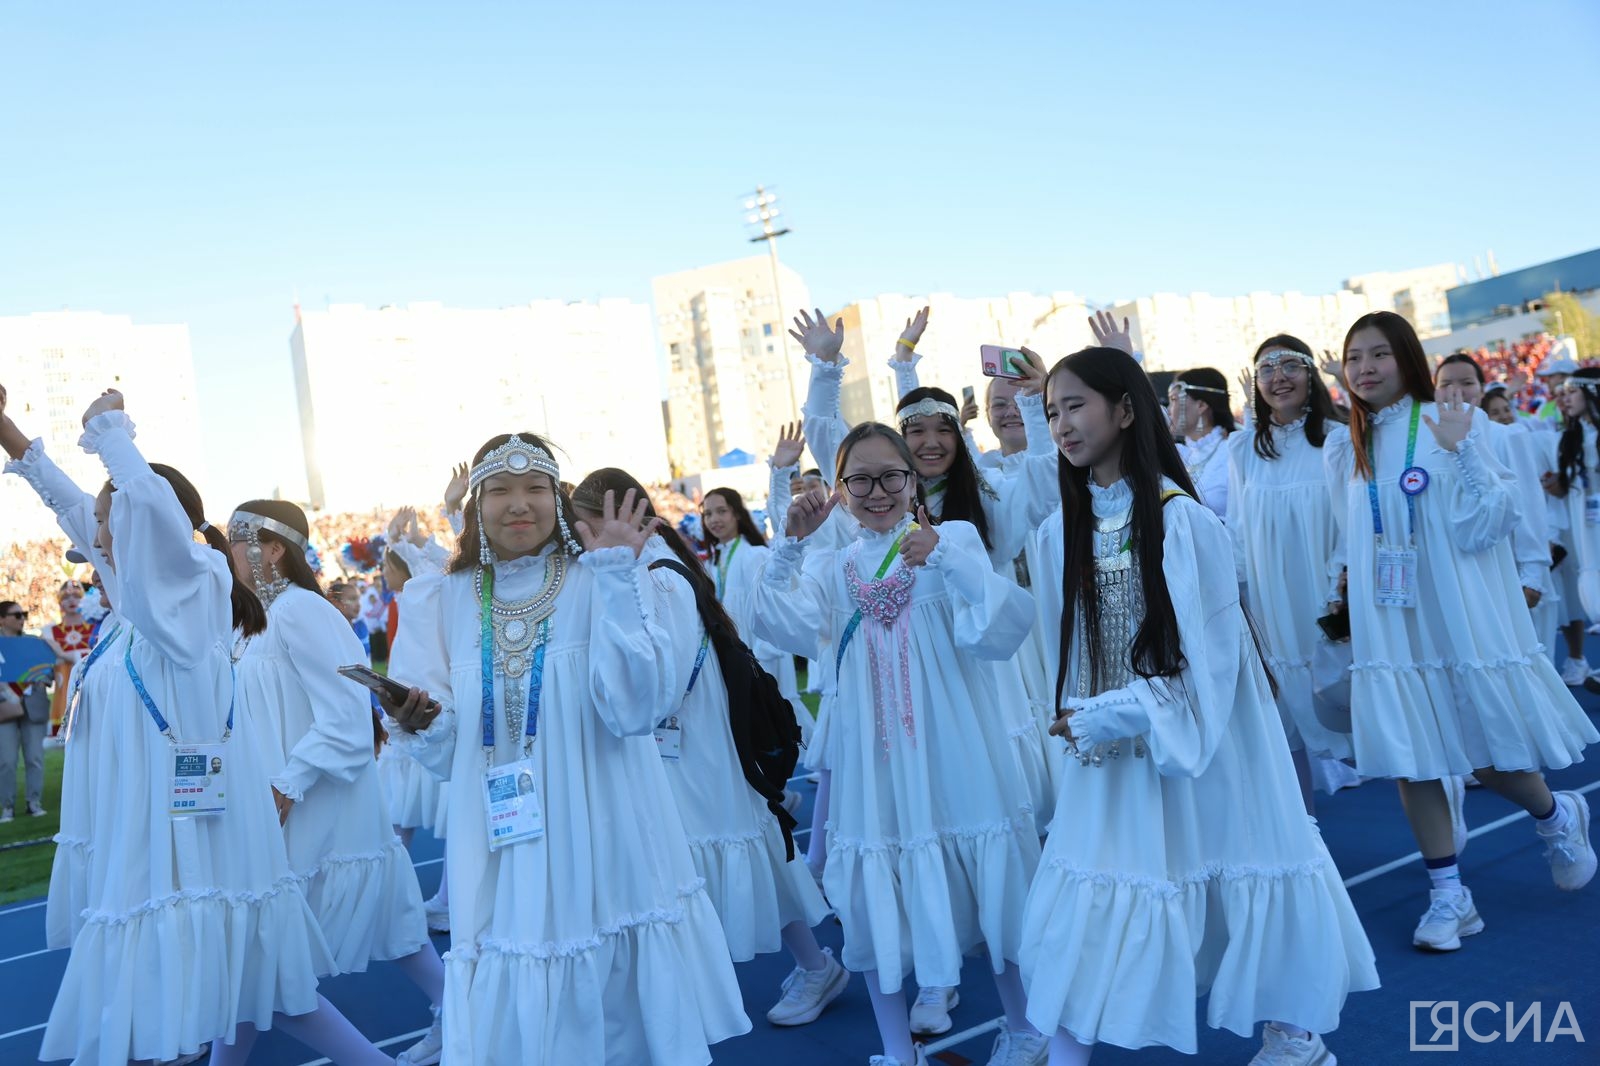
pixel 791 442
pixel 916 325
pixel 1106 333
pixel 413 529
pixel 969 411
pixel 808 511
pixel 816 337
pixel 396 527
pixel 110 400
pixel 455 490
pixel 1032 371
pixel 1455 420
pixel 1333 366
pixel 920 540
pixel 628 526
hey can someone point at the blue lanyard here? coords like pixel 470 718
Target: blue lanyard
pixel 724 561
pixel 699 661
pixel 155 712
pixel 530 728
pixel 1372 482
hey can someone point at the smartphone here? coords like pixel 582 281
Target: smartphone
pixel 968 395
pixel 1336 626
pixel 368 678
pixel 1001 362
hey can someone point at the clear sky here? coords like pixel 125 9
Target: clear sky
pixel 203 163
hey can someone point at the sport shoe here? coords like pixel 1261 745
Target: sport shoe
pixel 1278 1048
pixel 7 814
pixel 807 992
pixel 792 801
pixel 1574 672
pixel 930 1014
pixel 1569 852
pixel 36 811
pixel 1450 917
pixel 438 915
pixel 1019 1049
pixel 428 1050
pixel 1455 794
pixel 921 1059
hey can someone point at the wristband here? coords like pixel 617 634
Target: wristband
pixel 908 344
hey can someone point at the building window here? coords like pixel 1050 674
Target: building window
pixel 766 331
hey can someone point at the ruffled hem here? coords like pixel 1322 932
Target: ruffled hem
pixel 161 979
pixel 1121 959
pixel 69 891
pixel 920 904
pixel 1441 718
pixel 598 999
pixel 369 906
pixel 755 890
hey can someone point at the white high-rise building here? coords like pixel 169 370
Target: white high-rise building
pixel 1417 295
pixel 729 387
pixel 55 363
pixel 390 398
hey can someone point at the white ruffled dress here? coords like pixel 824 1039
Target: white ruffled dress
pixel 1586 532
pixel 736 576
pixel 1460 681
pixel 191 925
pixel 1284 532
pixel 1206 460
pixel 1192 869
pixel 931 838
pixel 416 799
pixel 596 942
pixel 734 839
pixel 315 728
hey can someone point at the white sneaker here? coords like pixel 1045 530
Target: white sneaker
pixel 1570 854
pixel 438 915
pixel 921 1059
pixel 1450 917
pixel 7 814
pixel 791 801
pixel 1455 794
pixel 428 1050
pixel 930 1014
pixel 1019 1049
pixel 1278 1048
pixel 806 993
pixel 1574 672
pixel 35 810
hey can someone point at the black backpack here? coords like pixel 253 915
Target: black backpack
pixel 765 733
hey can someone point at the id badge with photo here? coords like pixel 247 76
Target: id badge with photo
pixel 1397 577
pixel 1591 510
pixel 199 779
pixel 511 804
pixel 669 739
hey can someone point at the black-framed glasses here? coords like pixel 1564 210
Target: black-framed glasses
pixel 893 481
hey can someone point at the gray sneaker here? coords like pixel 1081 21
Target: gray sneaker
pixel 1570 854
pixel 806 993
pixel 1450 917
pixel 930 1014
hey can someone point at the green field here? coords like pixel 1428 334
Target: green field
pixel 25 871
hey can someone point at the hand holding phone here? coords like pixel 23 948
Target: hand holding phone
pixel 412 714
pixel 1001 362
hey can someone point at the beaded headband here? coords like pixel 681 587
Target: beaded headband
pixel 928 406
pixel 1187 388
pixel 515 456
pixel 1285 353
pixel 244 523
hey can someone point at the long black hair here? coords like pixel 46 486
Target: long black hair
pixel 965 487
pixel 249 617
pixel 295 566
pixel 1148 457
pixel 1414 376
pixel 868 430
pixel 590 496
pixel 1569 453
pixel 741 514
pixel 466 556
pixel 1319 412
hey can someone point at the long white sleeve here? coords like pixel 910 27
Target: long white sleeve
pixel 825 430
pixel 790 604
pixel 1338 464
pixel 1183 719
pixel 905 375
pixel 1530 540
pixel 1481 507
pixel 73 507
pixel 1036 424
pixel 1239 519
pixel 633 676
pixel 317 642
pixel 993 615
pixel 175 592
pixel 420 657
pixel 779 497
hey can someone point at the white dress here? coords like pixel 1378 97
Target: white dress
pixel 316 733
pixel 1284 532
pixel 192 925
pixel 734 838
pixel 931 839
pixel 736 570
pixel 1459 681
pixel 1585 530
pixel 595 943
pixel 1191 867
pixel 1206 460
pixel 416 799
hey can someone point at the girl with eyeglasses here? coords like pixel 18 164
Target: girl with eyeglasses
pixel 1201 421
pixel 933 840
pixel 1282 522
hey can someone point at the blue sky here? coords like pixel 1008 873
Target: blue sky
pixel 203 163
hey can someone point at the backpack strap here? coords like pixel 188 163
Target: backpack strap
pixel 1168 494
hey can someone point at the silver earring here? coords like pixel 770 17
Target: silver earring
pixel 567 541
pixel 485 556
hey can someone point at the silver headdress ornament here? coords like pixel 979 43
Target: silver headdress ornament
pixel 517 456
pixel 247 526
pixel 1279 354
pixel 929 406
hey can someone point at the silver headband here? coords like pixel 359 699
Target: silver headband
pixel 515 456
pixel 1285 353
pixel 929 406
pixel 1187 388
pixel 244 522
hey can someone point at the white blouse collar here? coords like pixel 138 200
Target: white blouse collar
pixel 1401 408
pixel 1111 500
